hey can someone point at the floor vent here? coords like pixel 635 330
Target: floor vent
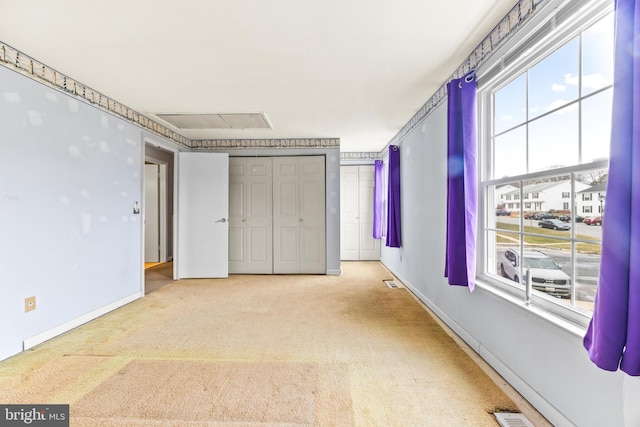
pixel 508 419
pixel 392 284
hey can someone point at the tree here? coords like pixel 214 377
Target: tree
pixel 595 177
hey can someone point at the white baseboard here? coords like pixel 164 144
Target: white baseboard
pixel 65 327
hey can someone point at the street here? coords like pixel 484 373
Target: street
pixel 590 231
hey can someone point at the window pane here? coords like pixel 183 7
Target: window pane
pixel 553 140
pixel 597 56
pixel 510 105
pixel 510 153
pixel 587 270
pixel 591 192
pixel 596 126
pixel 507 214
pixel 554 81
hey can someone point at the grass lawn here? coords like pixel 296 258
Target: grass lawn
pixel 545 241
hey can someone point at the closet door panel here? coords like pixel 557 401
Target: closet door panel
pixel 250 221
pixel 299 215
pixel 356 214
pixel 349 211
pixel 312 215
pixel 369 247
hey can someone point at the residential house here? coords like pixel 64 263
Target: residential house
pixel 542 197
pixel 591 200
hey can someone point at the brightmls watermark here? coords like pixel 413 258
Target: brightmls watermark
pixel 34 415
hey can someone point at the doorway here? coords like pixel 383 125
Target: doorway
pixel 157 210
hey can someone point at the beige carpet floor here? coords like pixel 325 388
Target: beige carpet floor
pixel 261 351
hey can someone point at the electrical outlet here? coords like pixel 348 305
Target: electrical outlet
pixel 29 304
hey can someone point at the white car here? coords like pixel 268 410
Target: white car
pixel 546 275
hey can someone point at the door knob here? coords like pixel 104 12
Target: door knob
pixel 222 220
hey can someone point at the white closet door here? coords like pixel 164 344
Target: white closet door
pixel 299 215
pixel 356 217
pixel 250 215
pixel 203 210
pixel 349 215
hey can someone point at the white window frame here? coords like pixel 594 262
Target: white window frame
pixel 568 316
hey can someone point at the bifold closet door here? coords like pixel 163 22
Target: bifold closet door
pixel 299 215
pixel 250 215
pixel 356 217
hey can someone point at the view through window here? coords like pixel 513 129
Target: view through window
pixel 545 189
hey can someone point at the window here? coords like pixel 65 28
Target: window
pixel 546 120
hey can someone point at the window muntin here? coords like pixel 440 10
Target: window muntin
pixel 549 130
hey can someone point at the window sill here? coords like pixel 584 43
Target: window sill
pixel 566 325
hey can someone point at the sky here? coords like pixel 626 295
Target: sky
pixel 554 83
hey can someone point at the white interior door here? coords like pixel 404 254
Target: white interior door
pixel 151 213
pixel 203 213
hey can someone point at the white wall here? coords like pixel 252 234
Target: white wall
pixel 69 177
pixel 545 362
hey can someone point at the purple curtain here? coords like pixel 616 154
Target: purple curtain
pixel 378 187
pixel 462 186
pixel 393 199
pixel 613 336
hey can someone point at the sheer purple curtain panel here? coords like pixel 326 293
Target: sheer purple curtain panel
pixel 394 239
pixel 613 337
pixel 462 182
pixel 378 188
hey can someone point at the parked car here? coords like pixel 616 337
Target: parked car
pixel 596 220
pixel 554 224
pixel 546 274
pixel 502 212
pixel 544 215
pixel 567 218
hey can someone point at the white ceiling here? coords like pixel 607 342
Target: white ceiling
pixel 357 70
